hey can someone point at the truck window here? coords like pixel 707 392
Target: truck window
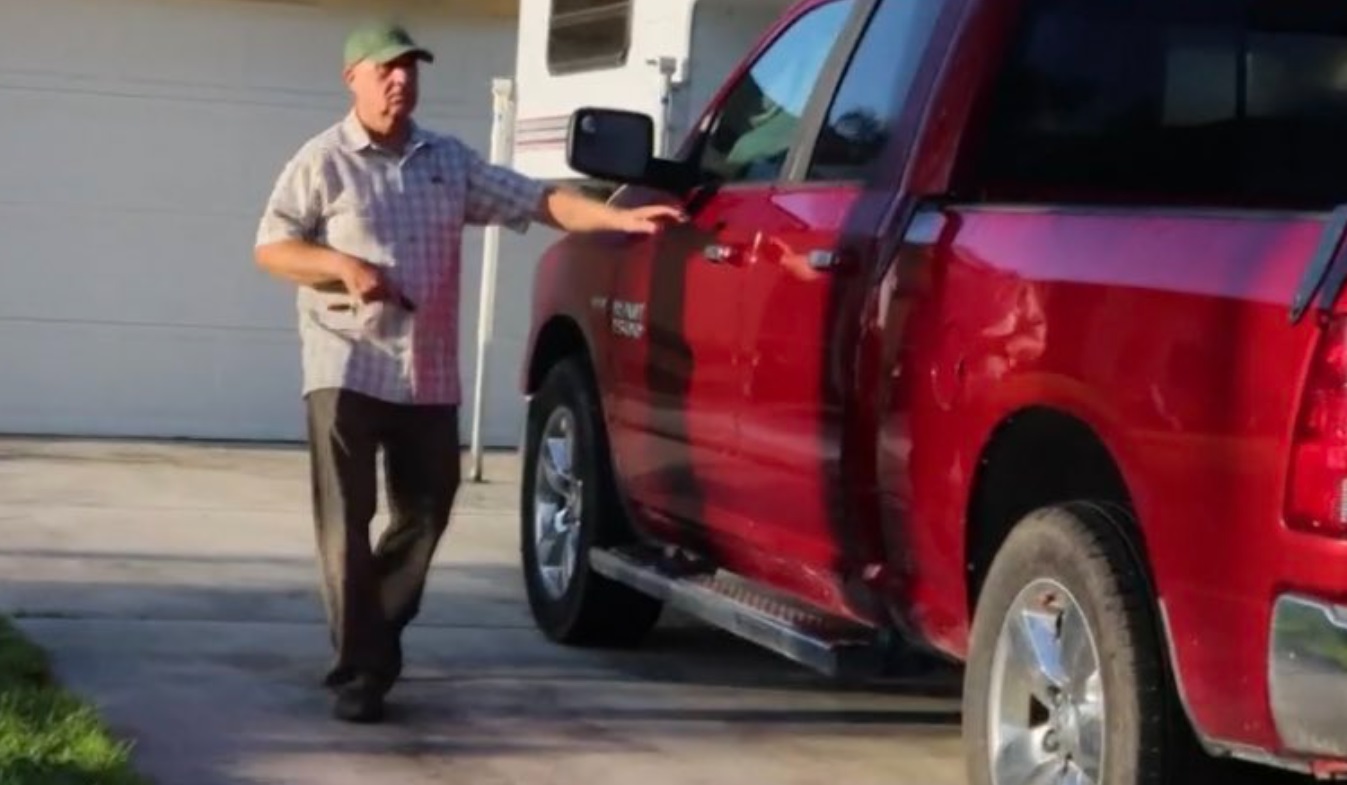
pixel 873 89
pixel 1206 102
pixel 583 35
pixel 756 124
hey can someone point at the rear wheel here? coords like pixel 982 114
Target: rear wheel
pixel 1064 680
pixel 567 507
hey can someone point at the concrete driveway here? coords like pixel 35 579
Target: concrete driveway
pixel 175 586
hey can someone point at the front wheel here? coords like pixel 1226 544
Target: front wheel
pixel 567 507
pixel 1064 678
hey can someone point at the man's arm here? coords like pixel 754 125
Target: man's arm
pixel 285 248
pixel 302 262
pixel 500 195
pixel 309 264
pixel 572 211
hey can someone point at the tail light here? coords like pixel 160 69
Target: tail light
pixel 1318 484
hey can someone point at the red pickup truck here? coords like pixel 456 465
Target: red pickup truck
pixel 1011 330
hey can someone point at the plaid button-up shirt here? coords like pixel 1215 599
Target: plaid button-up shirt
pixel 405 213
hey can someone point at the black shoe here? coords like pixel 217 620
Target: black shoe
pixel 385 677
pixel 359 701
pixel 395 672
pixel 339 676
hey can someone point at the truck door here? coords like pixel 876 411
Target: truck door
pixel 803 292
pixel 673 393
pixel 679 387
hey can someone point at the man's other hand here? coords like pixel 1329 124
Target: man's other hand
pixel 365 282
pixel 328 270
pixel 369 283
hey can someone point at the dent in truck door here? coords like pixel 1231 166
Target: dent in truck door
pixel 680 382
pixel 804 292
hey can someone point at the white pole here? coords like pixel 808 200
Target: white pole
pixel 502 127
pixel 667 67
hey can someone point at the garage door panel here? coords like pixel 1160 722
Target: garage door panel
pixel 163 152
pixel 139 152
pixel 134 380
pixel 145 137
pixel 233 42
pixel 203 42
pixel 84 264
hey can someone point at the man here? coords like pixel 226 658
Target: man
pixel 367 219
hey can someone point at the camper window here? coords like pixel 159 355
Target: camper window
pixel 588 34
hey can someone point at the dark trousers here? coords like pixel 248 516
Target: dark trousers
pixel 372 593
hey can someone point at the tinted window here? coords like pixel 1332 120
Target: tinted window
pixel 760 116
pixel 587 34
pixel 873 88
pixel 1238 102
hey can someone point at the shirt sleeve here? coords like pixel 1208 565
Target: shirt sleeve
pixel 498 195
pixel 292 211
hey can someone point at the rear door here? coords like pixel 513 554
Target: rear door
pixel 804 291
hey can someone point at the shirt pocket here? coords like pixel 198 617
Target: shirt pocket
pixel 356 322
pixel 353 225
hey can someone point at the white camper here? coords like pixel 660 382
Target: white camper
pixel 663 58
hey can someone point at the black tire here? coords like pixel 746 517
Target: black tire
pixel 593 610
pixel 1077 547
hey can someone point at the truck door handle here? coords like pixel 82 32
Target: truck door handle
pixel 821 259
pixel 832 260
pixel 718 253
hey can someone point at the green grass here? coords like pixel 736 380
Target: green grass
pixel 48 736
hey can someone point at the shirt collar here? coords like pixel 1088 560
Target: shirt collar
pixel 356 138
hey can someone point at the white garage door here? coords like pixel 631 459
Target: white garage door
pixel 138 140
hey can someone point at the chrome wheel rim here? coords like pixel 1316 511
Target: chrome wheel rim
pixel 558 495
pixel 1047 697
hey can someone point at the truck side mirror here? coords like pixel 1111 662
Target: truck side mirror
pixel 610 144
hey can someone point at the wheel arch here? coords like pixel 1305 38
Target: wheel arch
pixel 1043 456
pixel 1037 457
pixel 561 336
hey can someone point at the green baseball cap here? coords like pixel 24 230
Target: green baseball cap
pixel 382 42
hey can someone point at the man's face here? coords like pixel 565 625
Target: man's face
pixel 387 91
